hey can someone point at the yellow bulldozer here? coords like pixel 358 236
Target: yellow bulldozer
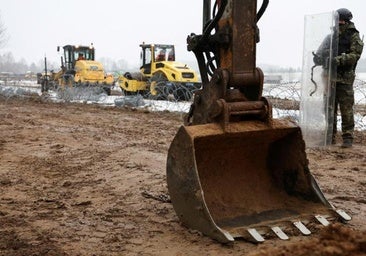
pixel 233 171
pixel 160 76
pixel 78 69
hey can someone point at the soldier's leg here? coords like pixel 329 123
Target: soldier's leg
pixel 346 102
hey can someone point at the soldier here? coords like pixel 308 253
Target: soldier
pixel 350 47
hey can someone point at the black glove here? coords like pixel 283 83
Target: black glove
pixel 317 59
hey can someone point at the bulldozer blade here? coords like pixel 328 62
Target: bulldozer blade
pixel 249 179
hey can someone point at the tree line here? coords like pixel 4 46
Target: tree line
pixel 9 64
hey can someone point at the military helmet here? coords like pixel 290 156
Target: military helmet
pixel 344 14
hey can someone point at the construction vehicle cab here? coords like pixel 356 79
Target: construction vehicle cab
pixel 73 53
pixel 232 170
pixel 160 75
pixel 155 53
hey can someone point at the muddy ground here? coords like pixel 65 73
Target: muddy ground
pixel 78 179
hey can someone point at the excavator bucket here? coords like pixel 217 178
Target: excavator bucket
pixel 250 182
pixel 234 171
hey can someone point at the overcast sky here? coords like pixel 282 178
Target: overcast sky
pixel 117 27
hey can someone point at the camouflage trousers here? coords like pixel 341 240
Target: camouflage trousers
pixel 344 99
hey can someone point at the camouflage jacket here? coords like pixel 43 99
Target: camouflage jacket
pixel 350 48
pixel 349 51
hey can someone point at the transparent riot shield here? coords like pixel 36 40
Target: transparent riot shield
pixel 318 73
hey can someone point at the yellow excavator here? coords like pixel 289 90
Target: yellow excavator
pixel 233 171
pixel 160 76
pixel 78 69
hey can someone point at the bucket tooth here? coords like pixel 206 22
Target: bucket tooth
pixel 255 235
pixel 322 220
pixel 303 229
pixel 343 215
pixel 278 231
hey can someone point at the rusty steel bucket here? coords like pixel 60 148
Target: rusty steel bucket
pixel 251 181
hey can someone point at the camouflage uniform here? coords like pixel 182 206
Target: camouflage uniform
pixel 349 50
pixel 350 47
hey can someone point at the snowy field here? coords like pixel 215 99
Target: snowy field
pixel 289 91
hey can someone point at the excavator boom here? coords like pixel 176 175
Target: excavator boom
pixel 232 170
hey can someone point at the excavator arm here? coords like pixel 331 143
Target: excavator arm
pixel 232 170
pixel 226 52
pixel 221 43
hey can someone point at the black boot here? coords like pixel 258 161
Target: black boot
pixel 347 142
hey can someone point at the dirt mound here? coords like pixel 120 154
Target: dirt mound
pixel 335 240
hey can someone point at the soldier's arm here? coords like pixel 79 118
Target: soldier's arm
pixel 321 56
pixel 323 50
pixel 351 58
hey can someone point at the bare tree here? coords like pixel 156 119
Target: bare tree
pixel 3 35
